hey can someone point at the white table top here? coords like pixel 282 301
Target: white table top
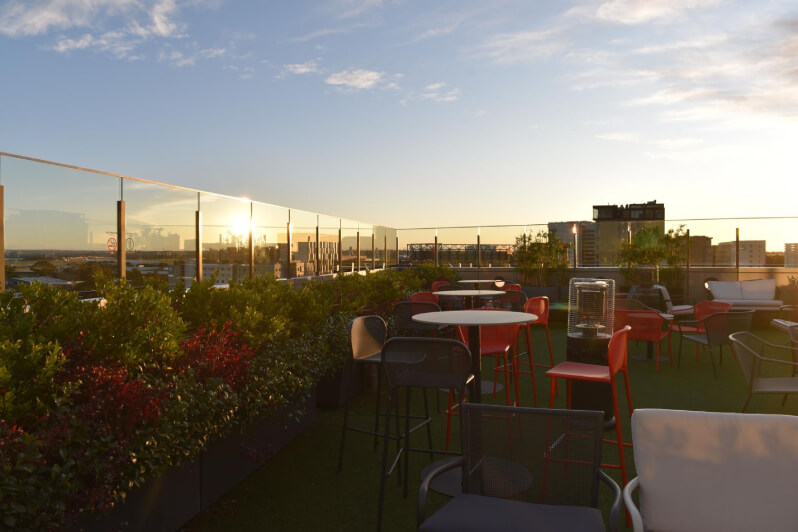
pixel 464 293
pixel 477 281
pixel 474 317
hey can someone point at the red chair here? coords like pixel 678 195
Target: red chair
pixel 429 297
pixel 539 306
pixel 702 310
pixel 616 357
pixel 437 284
pixel 647 326
pixel 511 287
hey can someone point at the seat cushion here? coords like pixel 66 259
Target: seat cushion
pixel 742 304
pixel 759 289
pixel 716 471
pixel 475 513
pixel 725 289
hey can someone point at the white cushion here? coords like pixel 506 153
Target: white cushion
pixel 715 471
pixel 741 304
pixel 725 289
pixel 759 289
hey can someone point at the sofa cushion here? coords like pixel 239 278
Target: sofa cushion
pixel 725 289
pixel 742 304
pixel 759 289
pixel 716 471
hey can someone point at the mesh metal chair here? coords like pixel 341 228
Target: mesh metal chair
pixel 715 330
pixel 368 335
pixel 419 363
pixel 403 313
pixel 451 302
pixel 512 300
pixel 754 353
pixel 525 469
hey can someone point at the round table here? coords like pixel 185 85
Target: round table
pixel 476 282
pixel 473 319
pixel 468 293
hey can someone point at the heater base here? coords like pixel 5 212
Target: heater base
pixel 590 395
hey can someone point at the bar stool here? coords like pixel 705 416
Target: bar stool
pixel 419 363
pixel 578 371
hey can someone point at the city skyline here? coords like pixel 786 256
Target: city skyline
pixel 412 114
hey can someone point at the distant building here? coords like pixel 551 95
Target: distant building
pixel 791 255
pixel 701 250
pixel 617 223
pixel 50 281
pixel 586 241
pixel 752 253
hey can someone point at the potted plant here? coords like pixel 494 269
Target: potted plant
pixel 541 262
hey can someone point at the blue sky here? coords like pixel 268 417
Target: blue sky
pixel 417 113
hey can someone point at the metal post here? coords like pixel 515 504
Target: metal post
pixel 198 237
pixel 121 252
pixel 397 249
pixel 290 247
pixel 251 241
pixel 437 260
pixel 340 250
pixel 318 248
pixel 2 241
pixel 687 273
pixel 737 252
pixel 385 248
pixel 373 251
pixel 479 251
pixel 357 251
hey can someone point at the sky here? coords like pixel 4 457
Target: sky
pixel 418 113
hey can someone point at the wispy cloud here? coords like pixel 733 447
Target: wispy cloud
pixel 83 25
pixel 437 92
pixel 520 47
pixel 355 79
pixel 619 137
pixel 353 8
pixel 640 11
pixel 308 67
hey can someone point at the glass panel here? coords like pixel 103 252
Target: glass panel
pixel 497 244
pixel 392 258
pixel 303 254
pixel 366 251
pixel 328 243
pixel 225 237
pixel 60 223
pixel 380 244
pixel 457 246
pixel 161 236
pixel 348 245
pixel 270 236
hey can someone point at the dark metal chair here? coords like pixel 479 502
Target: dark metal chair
pixel 368 335
pixel 715 330
pixel 436 363
pixel 753 353
pixel 403 313
pixel 512 300
pixel 451 302
pixel 525 469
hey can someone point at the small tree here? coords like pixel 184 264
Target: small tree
pixel 538 257
pixel 651 248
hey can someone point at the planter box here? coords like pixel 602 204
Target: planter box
pixel 335 390
pixel 227 462
pixel 162 504
pixel 165 503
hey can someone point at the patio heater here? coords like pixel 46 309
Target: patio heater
pixel 591 308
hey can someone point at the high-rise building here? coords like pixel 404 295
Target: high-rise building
pixel 791 255
pixel 586 241
pixel 701 250
pixel 617 223
pixel 752 253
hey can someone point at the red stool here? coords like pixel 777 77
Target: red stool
pixel 578 371
pixel 539 306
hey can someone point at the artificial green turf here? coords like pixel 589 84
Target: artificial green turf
pixel 299 488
